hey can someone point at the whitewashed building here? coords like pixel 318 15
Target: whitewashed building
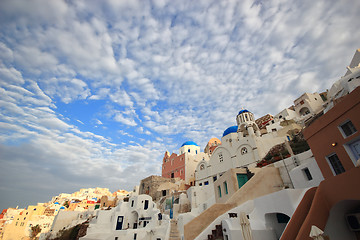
pixel 138 218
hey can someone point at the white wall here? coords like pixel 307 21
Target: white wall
pixel 200 195
pixel 293 174
pixel 299 178
pixel 104 225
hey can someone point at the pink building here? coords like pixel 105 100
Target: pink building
pixel 183 165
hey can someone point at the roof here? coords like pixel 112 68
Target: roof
pixel 243 111
pixel 229 130
pixel 189 143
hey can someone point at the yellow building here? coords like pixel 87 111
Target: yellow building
pixel 20 227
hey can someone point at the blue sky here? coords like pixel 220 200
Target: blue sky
pixel 92 93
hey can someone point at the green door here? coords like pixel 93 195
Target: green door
pixel 242 179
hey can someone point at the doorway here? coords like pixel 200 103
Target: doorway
pixel 242 179
pixel 119 222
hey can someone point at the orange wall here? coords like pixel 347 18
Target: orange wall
pixel 324 131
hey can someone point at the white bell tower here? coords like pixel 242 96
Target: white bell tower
pixel 246 123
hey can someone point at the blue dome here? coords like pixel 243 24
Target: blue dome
pixel 62 208
pixel 189 143
pixel 232 129
pixel 243 111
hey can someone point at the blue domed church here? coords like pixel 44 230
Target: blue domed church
pixel 242 146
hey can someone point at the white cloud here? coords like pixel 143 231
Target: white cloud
pixel 11 74
pixel 125 120
pixel 98 122
pixel 67 89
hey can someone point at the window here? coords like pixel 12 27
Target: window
pixel 146 204
pixel 335 163
pixel 355 149
pixel 195 151
pixel 132 203
pixel 214 178
pixel 307 173
pixel 221 157
pixel 243 151
pixel 219 190
pixel 188 150
pixel 347 129
pixel 206 183
pixel 225 186
pixel 200 184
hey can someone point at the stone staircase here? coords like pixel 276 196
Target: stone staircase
pixel 216 234
pixel 174 233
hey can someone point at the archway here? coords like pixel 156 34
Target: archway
pixel 304 111
pixel 133 220
pixel 344 220
pixel 277 221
